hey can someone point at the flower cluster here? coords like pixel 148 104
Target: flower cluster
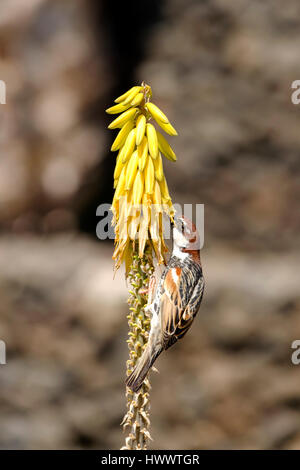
pixel 141 191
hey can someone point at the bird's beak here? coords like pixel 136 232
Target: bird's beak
pixel 178 222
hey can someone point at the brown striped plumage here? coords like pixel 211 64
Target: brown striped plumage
pixel 175 301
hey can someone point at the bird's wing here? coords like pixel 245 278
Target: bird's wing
pixel 193 305
pixel 176 307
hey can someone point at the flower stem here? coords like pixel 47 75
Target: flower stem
pixel 136 421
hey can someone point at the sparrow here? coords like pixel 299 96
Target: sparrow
pixel 174 301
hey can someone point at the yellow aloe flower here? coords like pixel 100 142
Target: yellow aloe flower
pixel 141 192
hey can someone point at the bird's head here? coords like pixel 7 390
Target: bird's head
pixel 185 235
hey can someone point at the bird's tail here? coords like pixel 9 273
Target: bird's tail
pixel 136 378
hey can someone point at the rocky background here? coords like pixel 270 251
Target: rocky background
pixel 222 71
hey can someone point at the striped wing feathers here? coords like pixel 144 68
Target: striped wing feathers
pixel 176 319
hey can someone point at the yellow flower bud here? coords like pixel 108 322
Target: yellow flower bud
pixel 165 148
pixel 123 118
pixel 168 128
pixel 143 153
pixel 158 168
pixel 119 166
pixel 138 188
pixel 156 113
pixel 137 99
pixel 152 140
pixel 131 170
pixel 122 136
pixel 140 129
pixel 129 145
pixel 149 176
pixel 125 95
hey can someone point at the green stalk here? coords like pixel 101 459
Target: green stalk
pixel 136 422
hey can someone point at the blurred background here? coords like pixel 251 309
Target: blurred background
pixel 222 71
